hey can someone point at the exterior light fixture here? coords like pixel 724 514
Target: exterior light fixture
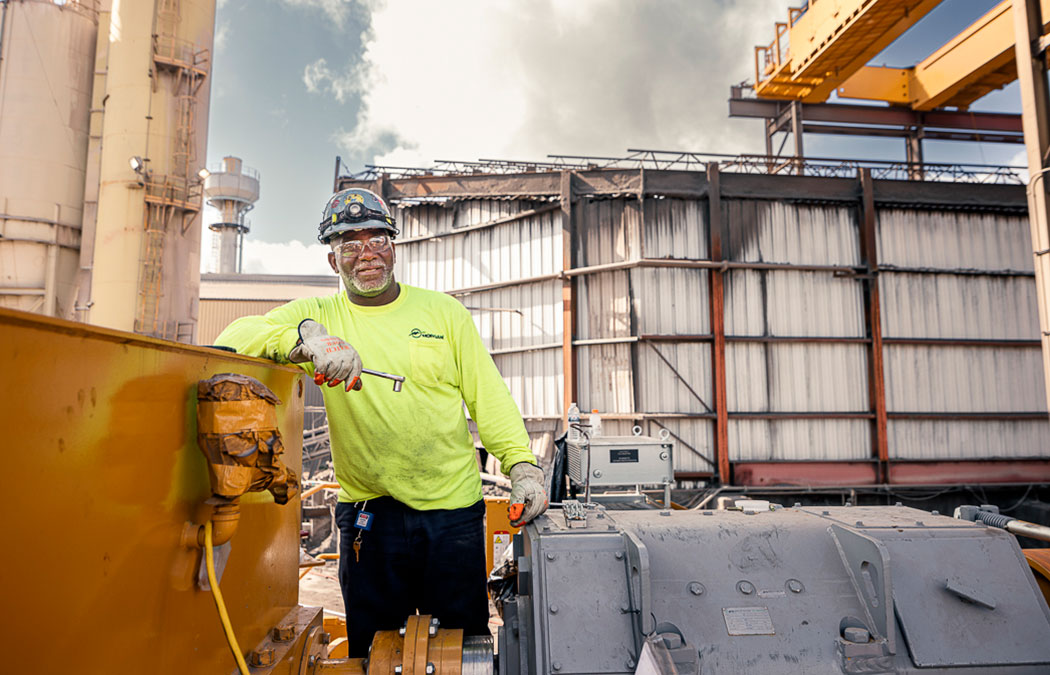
pixel 204 173
pixel 136 164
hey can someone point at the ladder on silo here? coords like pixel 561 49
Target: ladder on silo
pixel 174 196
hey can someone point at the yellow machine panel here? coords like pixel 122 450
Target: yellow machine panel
pixel 104 474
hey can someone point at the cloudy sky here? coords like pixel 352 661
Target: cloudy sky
pixel 406 82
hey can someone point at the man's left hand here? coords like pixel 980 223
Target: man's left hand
pixel 526 481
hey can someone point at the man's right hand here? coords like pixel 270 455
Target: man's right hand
pixel 334 360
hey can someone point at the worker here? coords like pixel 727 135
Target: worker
pixel 410 510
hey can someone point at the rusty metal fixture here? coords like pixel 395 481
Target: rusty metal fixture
pixel 282 633
pixel 261 657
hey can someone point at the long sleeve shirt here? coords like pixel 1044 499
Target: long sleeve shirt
pixel 412 445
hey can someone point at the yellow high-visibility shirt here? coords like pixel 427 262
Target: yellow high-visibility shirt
pixel 412 445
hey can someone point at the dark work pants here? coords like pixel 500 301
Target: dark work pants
pixel 430 561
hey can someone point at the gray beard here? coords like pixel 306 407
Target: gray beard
pixel 370 290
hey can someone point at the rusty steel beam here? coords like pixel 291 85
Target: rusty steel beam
pixel 970 472
pixel 842 113
pixel 568 292
pixel 717 317
pixel 804 474
pixel 873 320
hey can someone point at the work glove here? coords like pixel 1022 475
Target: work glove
pixel 527 498
pixel 334 360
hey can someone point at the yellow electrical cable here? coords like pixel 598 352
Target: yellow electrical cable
pixel 209 559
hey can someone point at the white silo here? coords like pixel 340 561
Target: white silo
pixel 46 68
pixel 233 191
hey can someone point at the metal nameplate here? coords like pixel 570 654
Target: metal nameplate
pixel 748 621
pixel 623 455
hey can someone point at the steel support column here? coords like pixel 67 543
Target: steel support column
pixel 718 329
pixel 568 295
pixel 1035 118
pixel 873 318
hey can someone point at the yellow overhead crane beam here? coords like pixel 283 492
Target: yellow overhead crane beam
pixel 977 61
pixel 826 41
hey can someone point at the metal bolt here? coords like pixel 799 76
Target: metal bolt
pixel 312 661
pixel 555 666
pixel 630 663
pixel 261 657
pixel 625 609
pixel 745 587
pixel 849 503
pixel 665 513
pixel 619 555
pixel 825 513
pixel 795 586
pixel 919 523
pixel 325 638
pixel 860 523
pixel 709 513
pixel 696 588
pixel 856 635
pixel 551 556
pixel 553 609
pixel 597 473
pixel 935 513
pixel 898 504
pixel 282 633
pixel 796 505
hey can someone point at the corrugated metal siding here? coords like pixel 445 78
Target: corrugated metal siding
pixel 963 379
pixel 954 239
pixel 932 302
pixel 928 439
pixel 768 231
pixel 215 315
pixel 953 306
pixel 771 377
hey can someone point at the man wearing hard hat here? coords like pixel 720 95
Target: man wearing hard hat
pixel 410 511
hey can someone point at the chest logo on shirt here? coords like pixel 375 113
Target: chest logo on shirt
pixel 417 333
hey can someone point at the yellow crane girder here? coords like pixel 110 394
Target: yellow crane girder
pixel 977 61
pixel 825 42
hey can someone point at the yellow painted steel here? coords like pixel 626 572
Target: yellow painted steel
pixel 496 521
pixel 827 41
pixel 977 61
pixel 103 473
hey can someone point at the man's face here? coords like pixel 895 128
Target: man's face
pixel 364 260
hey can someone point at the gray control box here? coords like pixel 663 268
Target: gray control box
pixel 621 460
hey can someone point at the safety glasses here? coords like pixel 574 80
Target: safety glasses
pixel 355 247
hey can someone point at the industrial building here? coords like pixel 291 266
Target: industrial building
pixel 799 364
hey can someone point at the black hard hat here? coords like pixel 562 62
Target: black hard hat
pixel 355 209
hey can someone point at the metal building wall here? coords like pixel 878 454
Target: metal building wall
pixel 784 329
pixel 963 359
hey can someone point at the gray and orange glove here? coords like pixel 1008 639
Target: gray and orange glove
pixel 527 498
pixel 335 361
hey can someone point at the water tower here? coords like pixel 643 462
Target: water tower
pixel 233 191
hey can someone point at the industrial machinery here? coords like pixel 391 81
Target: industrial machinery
pixel 862 589
pixel 606 461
